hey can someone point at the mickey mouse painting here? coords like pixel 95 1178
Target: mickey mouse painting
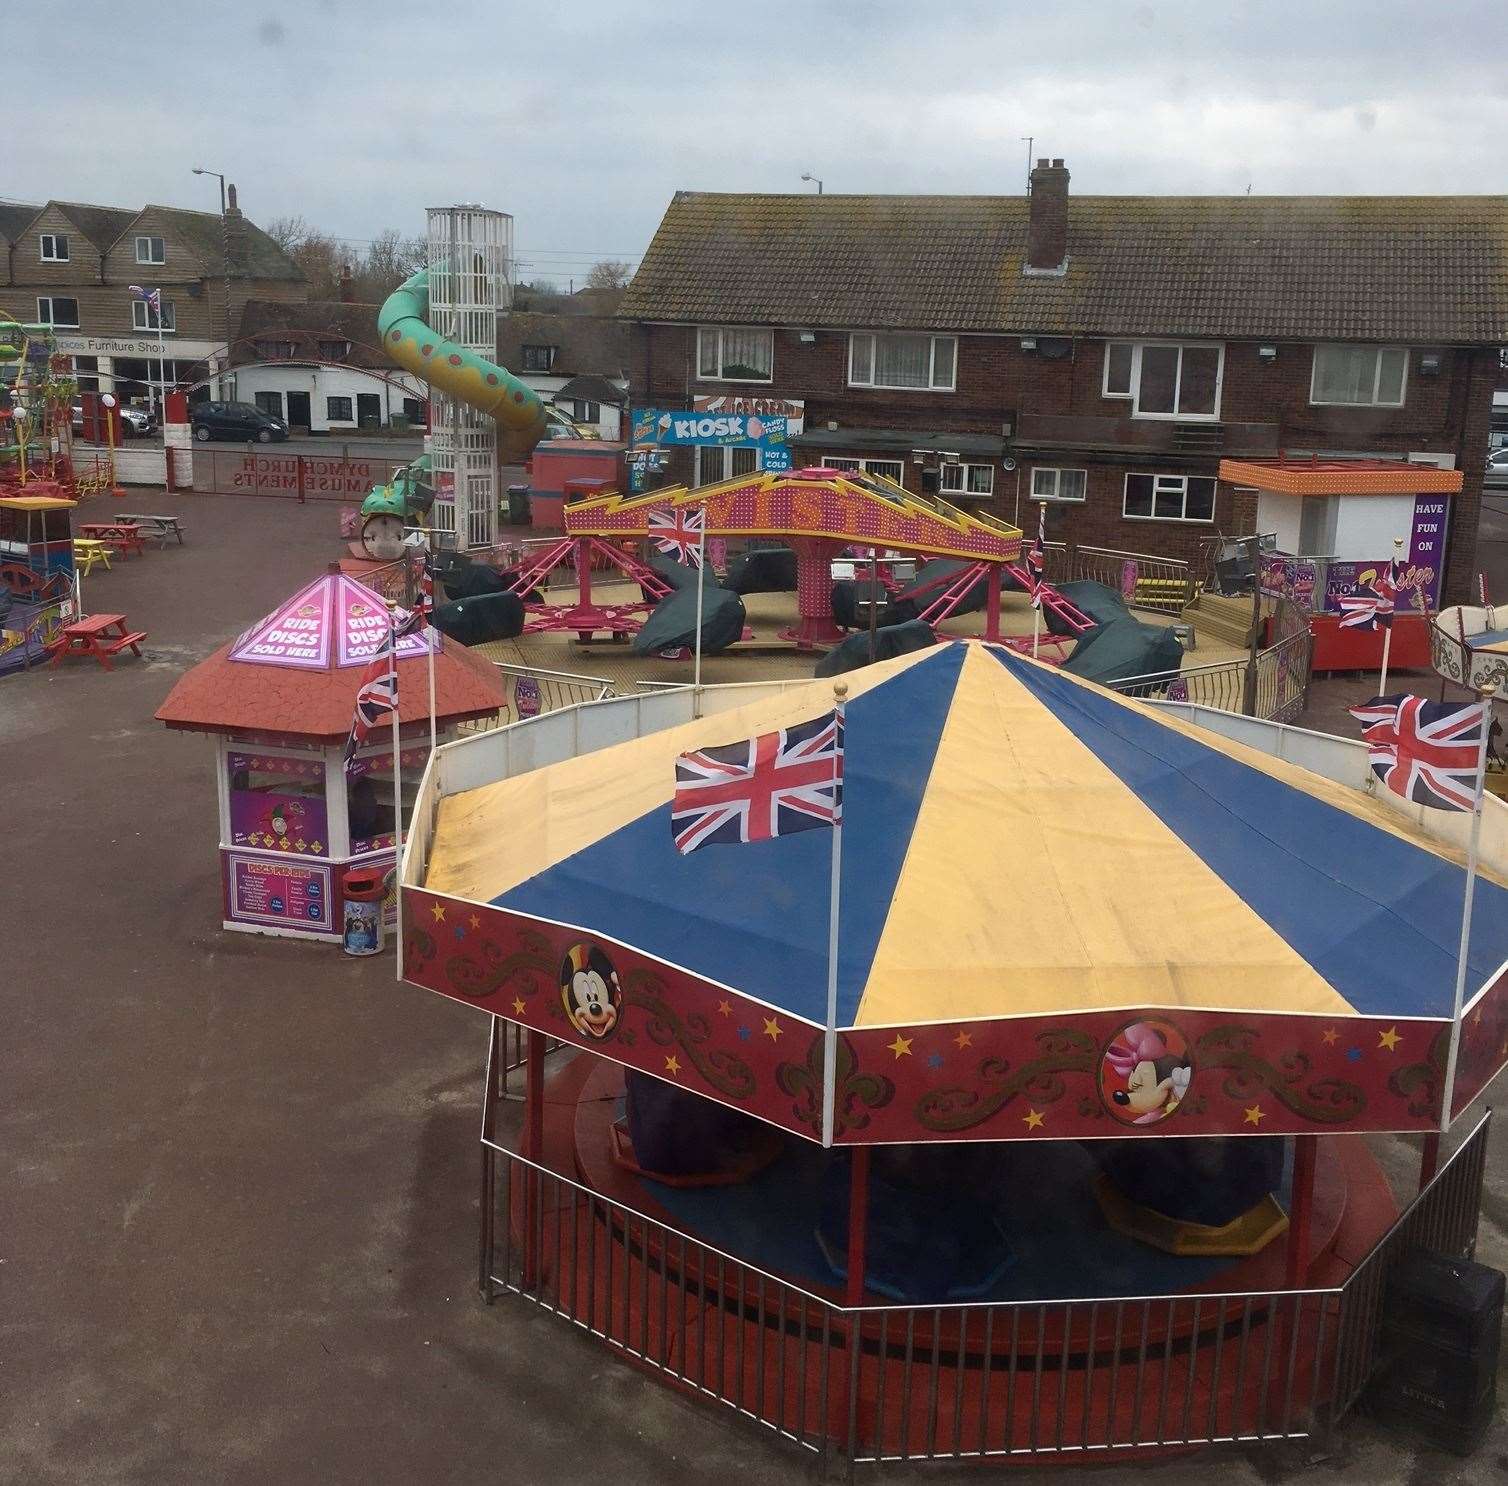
pixel 590 991
pixel 1145 1072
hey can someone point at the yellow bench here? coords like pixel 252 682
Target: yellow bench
pixel 87 552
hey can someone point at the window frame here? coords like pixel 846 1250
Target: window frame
pixel 149 238
pixel 872 336
pixel 50 300
pixel 966 466
pixel 721 374
pixel 1058 471
pixel 1134 395
pixel 168 312
pixel 853 464
pixel 1183 519
pixel 43 238
pixel 1377 349
pixel 530 355
pixel 331 416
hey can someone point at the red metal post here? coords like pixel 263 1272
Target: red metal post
pixel 992 605
pixel 298 460
pixel 858 1223
pixel 1429 1160
pixel 1301 1209
pixel 534 1144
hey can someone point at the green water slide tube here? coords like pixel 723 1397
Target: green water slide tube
pixel 408 339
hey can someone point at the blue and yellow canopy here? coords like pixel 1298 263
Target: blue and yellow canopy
pixel 1016 842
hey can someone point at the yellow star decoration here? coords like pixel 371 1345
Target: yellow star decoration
pixel 772 1028
pixel 1329 1036
pixel 901 1047
pixel 1254 1115
pixel 438 909
pixel 672 1064
pixel 518 1005
pixel 725 1008
pixel 963 1040
pixel 476 922
pixel 1033 1119
pixel 1389 1039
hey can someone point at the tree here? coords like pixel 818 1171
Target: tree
pixel 287 231
pixel 609 274
pixel 390 258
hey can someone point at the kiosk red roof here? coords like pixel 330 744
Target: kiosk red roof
pixel 295 673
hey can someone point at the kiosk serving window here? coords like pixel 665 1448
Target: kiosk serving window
pixel 369 797
pixel 277 803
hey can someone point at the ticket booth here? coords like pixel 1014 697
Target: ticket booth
pixel 1336 522
pixel 294 813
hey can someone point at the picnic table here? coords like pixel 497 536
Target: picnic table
pixel 161 527
pixel 100 635
pixel 119 536
pixel 88 552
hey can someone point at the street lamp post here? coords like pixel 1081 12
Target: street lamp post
pixel 814 178
pixel 225 259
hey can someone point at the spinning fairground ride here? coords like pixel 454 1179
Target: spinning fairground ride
pixel 822 513
pixel 1015 1117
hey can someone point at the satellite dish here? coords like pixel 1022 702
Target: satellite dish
pixel 1008 464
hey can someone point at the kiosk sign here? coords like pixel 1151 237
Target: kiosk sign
pixel 280 893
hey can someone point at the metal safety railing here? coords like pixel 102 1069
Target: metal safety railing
pixel 1274 686
pixel 541 691
pixel 1166 585
pixel 1086 1378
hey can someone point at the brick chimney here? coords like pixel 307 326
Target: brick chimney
pixel 1047 226
pixel 347 288
pixel 235 235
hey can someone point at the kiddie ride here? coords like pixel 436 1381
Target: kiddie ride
pixel 820 512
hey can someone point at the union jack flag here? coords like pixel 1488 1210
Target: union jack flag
pixel 376 697
pixel 678 533
pixel 773 785
pixel 1424 751
pixel 424 601
pixel 1036 560
pixel 1371 606
pixel 152 296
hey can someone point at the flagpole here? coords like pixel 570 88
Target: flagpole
pixel 1486 695
pixel 1387 634
pixel 392 670
pixel 701 570
pixel 432 641
pixel 1040 577
pixel 830 1037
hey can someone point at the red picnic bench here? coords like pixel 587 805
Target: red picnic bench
pixel 118 536
pixel 100 635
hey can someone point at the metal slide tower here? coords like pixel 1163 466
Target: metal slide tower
pixel 470 285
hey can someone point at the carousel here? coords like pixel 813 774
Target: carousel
pixel 1009 1116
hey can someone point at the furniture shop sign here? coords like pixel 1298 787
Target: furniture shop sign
pixel 678 428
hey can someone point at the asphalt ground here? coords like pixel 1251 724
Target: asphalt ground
pixel 238 1176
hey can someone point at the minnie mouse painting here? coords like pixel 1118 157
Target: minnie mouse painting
pixel 1145 1072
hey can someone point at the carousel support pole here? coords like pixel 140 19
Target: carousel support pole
pixel 992 605
pixel 581 552
pixel 534 1145
pixel 487 1235
pixel 1301 1209
pixel 858 1228
pixel 1429 1159
pixel 392 671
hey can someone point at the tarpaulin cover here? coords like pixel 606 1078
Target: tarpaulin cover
pixel 1016 842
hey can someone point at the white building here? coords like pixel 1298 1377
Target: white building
pixel 578 363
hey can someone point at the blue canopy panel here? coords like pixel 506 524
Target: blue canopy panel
pixel 756 915
pixel 1378 916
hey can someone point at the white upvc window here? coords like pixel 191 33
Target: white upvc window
pixel 151 250
pixel 1166 379
pixel 142 317
pixel 907 363
pixel 968 479
pixel 734 353
pixel 1050 483
pixel 891 469
pixel 54 247
pixel 1169 498
pixel 713 464
pixel 1359 376
pixel 59 311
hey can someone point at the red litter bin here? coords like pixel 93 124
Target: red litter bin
pixel 363 889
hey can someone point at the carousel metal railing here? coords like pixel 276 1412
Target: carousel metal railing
pixel 556 689
pixel 1166 585
pixel 1091 1379
pixel 1278 692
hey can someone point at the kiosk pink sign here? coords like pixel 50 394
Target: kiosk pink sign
pixel 334 621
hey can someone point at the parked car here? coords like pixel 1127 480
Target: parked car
pixel 241 421
pixel 1497 470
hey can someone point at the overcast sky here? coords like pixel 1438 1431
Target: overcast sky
pixel 582 118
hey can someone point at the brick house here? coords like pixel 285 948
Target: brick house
pixel 1101 353
pixel 70 265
